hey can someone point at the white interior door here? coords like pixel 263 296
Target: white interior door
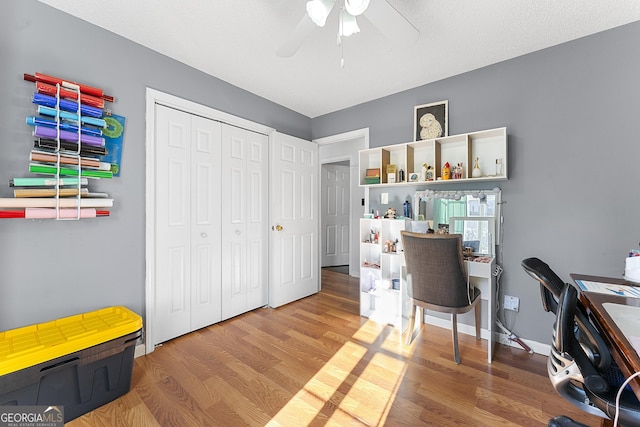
pixel 244 212
pixel 294 260
pixel 335 214
pixel 187 267
pixel 205 222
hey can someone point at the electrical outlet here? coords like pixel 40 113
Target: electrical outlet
pixel 511 303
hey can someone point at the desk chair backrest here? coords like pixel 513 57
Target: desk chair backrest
pixel 550 284
pixel 437 270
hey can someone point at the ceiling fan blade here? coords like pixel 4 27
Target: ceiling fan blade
pixel 391 23
pixel 291 45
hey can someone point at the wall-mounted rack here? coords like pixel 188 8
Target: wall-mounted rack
pixel 67 149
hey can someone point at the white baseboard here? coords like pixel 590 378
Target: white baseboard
pixel 139 351
pixel 501 338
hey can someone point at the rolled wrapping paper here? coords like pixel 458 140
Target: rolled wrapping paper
pixel 65 135
pixel 21 213
pixel 11 214
pixel 66 105
pixel 70 127
pixel 48 111
pixel 35 213
pixel 47 202
pixel 95 91
pixel 64 159
pixel 46 182
pixel 55 170
pixel 51 90
pixel 85 150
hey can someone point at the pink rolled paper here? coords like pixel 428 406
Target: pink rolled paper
pixel 38 213
pixel 48 132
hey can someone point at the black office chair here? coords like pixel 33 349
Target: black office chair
pixel 580 366
pixel 551 286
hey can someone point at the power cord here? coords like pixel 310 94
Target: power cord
pixel 497 272
pixel 513 337
pixel 624 384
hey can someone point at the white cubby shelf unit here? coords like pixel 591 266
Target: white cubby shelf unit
pixel 489 147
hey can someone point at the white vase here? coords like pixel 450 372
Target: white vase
pixel 476 173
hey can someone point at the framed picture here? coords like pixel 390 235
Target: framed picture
pixel 414 177
pixel 431 120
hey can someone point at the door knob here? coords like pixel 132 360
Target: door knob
pixel 203 235
pixel 277 227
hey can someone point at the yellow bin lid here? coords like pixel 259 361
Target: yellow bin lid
pixel 30 345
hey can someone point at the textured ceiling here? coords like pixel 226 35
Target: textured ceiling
pixel 236 40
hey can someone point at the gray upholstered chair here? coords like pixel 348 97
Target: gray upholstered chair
pixel 437 280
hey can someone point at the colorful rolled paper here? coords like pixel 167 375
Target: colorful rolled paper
pixel 85 150
pixel 66 105
pixel 22 213
pixel 48 111
pixel 39 77
pixel 32 121
pixel 48 132
pixel 49 202
pixel 53 170
pixel 66 159
pixel 37 213
pixel 50 192
pixel 46 182
pixel 52 90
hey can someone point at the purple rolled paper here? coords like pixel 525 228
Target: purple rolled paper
pixel 47 132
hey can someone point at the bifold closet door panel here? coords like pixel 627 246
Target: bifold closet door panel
pixel 244 213
pixel 206 275
pixel 188 264
pixel 173 222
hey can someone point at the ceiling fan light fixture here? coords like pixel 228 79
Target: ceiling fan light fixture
pixel 318 11
pixel 348 24
pixel 356 7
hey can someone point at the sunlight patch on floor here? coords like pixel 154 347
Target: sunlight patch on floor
pixel 353 387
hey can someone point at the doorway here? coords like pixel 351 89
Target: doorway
pixel 343 149
pixel 335 194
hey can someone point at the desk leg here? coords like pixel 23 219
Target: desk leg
pixel 491 318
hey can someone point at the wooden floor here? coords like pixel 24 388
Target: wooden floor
pixel 316 362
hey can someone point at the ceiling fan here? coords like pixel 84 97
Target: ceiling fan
pixel 380 13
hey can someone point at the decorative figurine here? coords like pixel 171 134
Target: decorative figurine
pixel 446 171
pixel 428 172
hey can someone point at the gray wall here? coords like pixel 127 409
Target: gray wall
pixel 50 269
pixel 572 117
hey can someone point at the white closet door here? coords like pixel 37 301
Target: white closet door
pixel 187 231
pixel 205 222
pixel 257 220
pixel 173 237
pixel 244 212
